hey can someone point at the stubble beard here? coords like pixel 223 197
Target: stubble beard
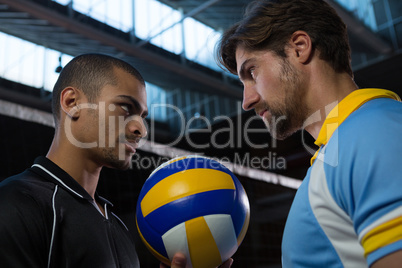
pixel 108 155
pixel 287 117
pixel 112 160
pixel 116 157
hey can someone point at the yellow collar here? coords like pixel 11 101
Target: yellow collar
pixel 344 108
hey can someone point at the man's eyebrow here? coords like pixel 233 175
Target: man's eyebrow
pixel 242 71
pixel 135 103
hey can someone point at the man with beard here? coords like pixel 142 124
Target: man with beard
pixel 51 215
pixel 293 59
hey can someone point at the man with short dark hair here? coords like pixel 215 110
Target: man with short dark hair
pixel 51 215
pixel 293 59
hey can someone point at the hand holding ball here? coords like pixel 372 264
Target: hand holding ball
pixel 196 206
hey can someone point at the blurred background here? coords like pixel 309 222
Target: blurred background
pixel 195 107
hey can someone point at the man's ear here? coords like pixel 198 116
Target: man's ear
pixel 301 46
pixel 69 100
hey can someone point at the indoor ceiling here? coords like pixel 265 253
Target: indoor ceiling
pixel 55 26
pixel 382 71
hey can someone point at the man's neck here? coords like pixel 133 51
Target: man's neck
pixel 74 162
pixel 324 96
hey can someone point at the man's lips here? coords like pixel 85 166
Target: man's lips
pixel 262 113
pixel 131 146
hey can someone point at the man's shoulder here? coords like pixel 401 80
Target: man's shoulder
pixel 374 118
pixel 25 184
pixel 381 108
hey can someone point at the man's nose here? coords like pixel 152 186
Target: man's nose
pixel 250 97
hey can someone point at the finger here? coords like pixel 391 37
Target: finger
pixel 162 265
pixel 227 264
pixel 179 261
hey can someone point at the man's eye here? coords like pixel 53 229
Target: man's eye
pixel 125 107
pixel 251 71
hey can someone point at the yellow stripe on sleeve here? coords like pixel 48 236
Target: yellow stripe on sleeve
pixel 383 235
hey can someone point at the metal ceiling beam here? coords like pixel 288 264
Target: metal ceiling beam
pixel 40 12
pixel 193 12
pixel 31 27
pixel 360 31
pixel 22 21
pixel 13 15
pixel 24 99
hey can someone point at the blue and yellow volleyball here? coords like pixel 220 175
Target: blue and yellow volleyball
pixel 196 206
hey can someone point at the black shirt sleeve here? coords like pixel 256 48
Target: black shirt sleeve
pixel 25 227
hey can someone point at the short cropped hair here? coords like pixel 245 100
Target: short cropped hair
pixel 89 73
pixel 268 25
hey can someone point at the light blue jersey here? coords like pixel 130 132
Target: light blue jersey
pixel 348 210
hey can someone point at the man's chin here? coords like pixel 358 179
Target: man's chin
pixel 120 164
pixel 281 136
pixel 280 132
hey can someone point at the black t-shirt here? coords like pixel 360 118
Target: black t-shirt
pixel 48 220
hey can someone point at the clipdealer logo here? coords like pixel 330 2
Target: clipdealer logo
pixel 112 127
pixel 269 162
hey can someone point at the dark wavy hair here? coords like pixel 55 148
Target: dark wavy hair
pixel 268 25
pixel 89 73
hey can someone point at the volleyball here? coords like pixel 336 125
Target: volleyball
pixel 196 206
